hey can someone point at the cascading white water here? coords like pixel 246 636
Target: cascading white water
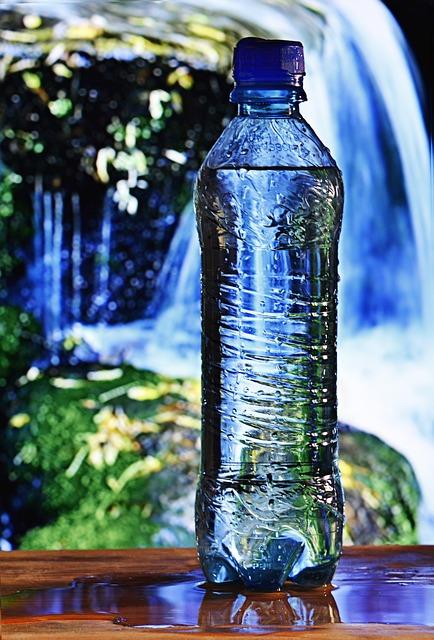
pixel 102 258
pixel 385 380
pixel 38 246
pixel 358 65
pixel 76 258
pixel 178 281
pixel 58 258
pixel 169 341
pixel 47 261
pixel 56 266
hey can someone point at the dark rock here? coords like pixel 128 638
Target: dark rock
pixel 382 495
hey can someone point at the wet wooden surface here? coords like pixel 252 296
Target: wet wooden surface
pixel 378 592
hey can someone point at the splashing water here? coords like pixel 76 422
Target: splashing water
pixel 168 340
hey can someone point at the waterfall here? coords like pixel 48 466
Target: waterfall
pixel 357 64
pixel 102 257
pixel 47 223
pixel 169 340
pixel 56 271
pixel 363 103
pixel 38 246
pixel 48 256
pixel 178 282
pixel 175 328
pixel 76 258
pixel 384 51
pixel 56 257
pixel 385 382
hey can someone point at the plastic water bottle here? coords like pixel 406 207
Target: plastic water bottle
pixel 268 199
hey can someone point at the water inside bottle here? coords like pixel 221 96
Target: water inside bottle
pixel 269 504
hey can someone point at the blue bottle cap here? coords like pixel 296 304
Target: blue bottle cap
pixel 257 60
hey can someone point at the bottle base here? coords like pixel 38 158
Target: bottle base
pixel 219 570
pixel 240 539
pixel 319 576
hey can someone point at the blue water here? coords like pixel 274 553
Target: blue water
pixel 269 504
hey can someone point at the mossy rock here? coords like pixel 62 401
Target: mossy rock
pixel 382 494
pixel 104 448
pixel 115 453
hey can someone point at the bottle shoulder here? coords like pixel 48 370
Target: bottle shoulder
pixel 269 142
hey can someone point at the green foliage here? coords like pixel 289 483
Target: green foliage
pixel 88 527
pixel 7 184
pixel 88 120
pixel 15 227
pixel 116 452
pixel 381 491
pixel 19 334
pixel 116 447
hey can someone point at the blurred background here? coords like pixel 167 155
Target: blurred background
pixel 106 112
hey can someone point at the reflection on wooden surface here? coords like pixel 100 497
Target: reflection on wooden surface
pixel 62 594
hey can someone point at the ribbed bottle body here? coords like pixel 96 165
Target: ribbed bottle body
pixel 269 501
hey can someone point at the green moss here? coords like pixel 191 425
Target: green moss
pixel 19 337
pixel 88 528
pixel 110 447
pixel 116 453
pixel 15 221
pixel 381 491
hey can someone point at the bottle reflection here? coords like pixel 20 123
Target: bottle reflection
pixel 282 608
pixel 183 600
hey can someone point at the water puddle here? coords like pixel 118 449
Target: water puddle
pixel 185 600
pixel 179 600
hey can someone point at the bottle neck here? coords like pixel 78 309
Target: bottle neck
pixel 268 110
pixel 259 101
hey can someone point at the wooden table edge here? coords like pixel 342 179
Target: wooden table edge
pixel 91 630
